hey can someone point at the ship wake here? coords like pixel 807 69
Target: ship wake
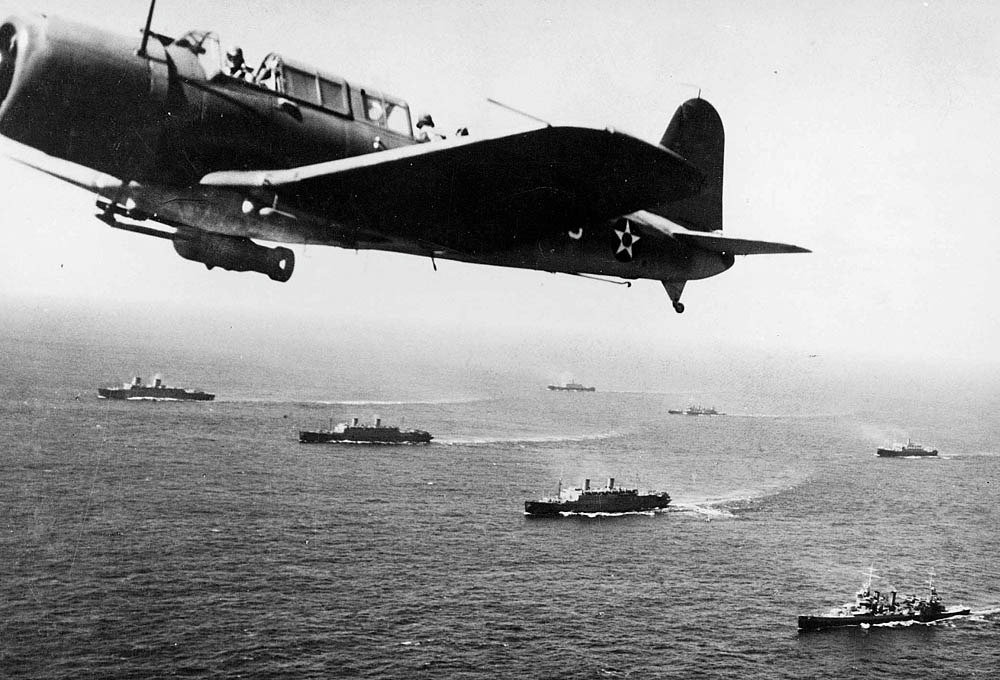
pixel 540 439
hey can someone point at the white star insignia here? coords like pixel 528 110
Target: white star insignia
pixel 626 239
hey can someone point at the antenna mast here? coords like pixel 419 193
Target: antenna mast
pixel 145 31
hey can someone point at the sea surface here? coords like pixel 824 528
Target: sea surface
pixel 147 540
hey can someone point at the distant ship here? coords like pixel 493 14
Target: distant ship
pixel 907 449
pixel 155 392
pixel 609 499
pixel 872 608
pixel 364 434
pixel 696 411
pixel 571 387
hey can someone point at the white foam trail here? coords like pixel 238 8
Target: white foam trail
pixel 392 402
pixel 541 439
pixel 707 510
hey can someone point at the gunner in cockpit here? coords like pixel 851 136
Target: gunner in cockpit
pixel 236 66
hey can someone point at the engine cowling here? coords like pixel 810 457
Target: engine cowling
pixel 236 254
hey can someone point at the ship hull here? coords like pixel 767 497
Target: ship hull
pixel 152 394
pixel 893 453
pixel 599 504
pixel 390 437
pixel 808 623
pixel 563 388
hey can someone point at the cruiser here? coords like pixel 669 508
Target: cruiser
pixel 609 499
pixel 364 434
pixel 155 392
pixel 571 387
pixel 907 449
pixel 696 411
pixel 874 608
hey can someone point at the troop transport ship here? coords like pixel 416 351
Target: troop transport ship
pixel 609 499
pixel 572 387
pixel 695 411
pixel 364 434
pixel 155 392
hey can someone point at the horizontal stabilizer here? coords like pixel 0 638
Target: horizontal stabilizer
pixel 735 246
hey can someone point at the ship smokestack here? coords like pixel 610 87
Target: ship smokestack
pixel 158 383
pixel 611 482
pixel 892 601
pixel 354 422
pixel 586 485
pixel 378 422
pixel 137 381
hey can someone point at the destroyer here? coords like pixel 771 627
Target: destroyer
pixel 609 499
pixel 874 608
pixel 364 434
pixel 907 449
pixel 155 392
pixel 571 387
pixel 696 411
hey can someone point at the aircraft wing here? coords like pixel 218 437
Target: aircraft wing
pixel 478 196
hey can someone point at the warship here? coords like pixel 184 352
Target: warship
pixel 872 608
pixel 907 449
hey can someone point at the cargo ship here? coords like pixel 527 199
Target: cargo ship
pixel 907 449
pixel 695 411
pixel 356 433
pixel 872 608
pixel 157 391
pixel 571 387
pixel 609 499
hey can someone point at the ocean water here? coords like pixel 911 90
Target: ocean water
pixel 202 540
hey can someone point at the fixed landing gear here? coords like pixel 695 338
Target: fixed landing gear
pixel 674 290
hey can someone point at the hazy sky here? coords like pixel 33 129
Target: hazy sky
pixel 865 131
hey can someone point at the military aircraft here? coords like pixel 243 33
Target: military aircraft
pixel 178 146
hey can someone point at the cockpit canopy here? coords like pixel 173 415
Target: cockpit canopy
pixel 304 83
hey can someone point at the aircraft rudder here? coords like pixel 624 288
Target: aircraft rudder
pixel 696 133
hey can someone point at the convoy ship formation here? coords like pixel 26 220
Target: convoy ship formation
pixel 156 391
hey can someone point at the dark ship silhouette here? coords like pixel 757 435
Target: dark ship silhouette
pixel 872 608
pixel 608 499
pixel 364 434
pixel 907 449
pixel 157 391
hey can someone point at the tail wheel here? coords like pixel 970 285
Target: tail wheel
pixel 282 264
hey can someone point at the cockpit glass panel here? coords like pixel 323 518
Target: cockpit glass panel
pixel 398 118
pixel 334 95
pixel 301 85
pixel 374 109
pixel 205 44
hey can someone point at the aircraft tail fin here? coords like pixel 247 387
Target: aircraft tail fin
pixel 696 133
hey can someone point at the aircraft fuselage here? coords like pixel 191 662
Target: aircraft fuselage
pixel 86 95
